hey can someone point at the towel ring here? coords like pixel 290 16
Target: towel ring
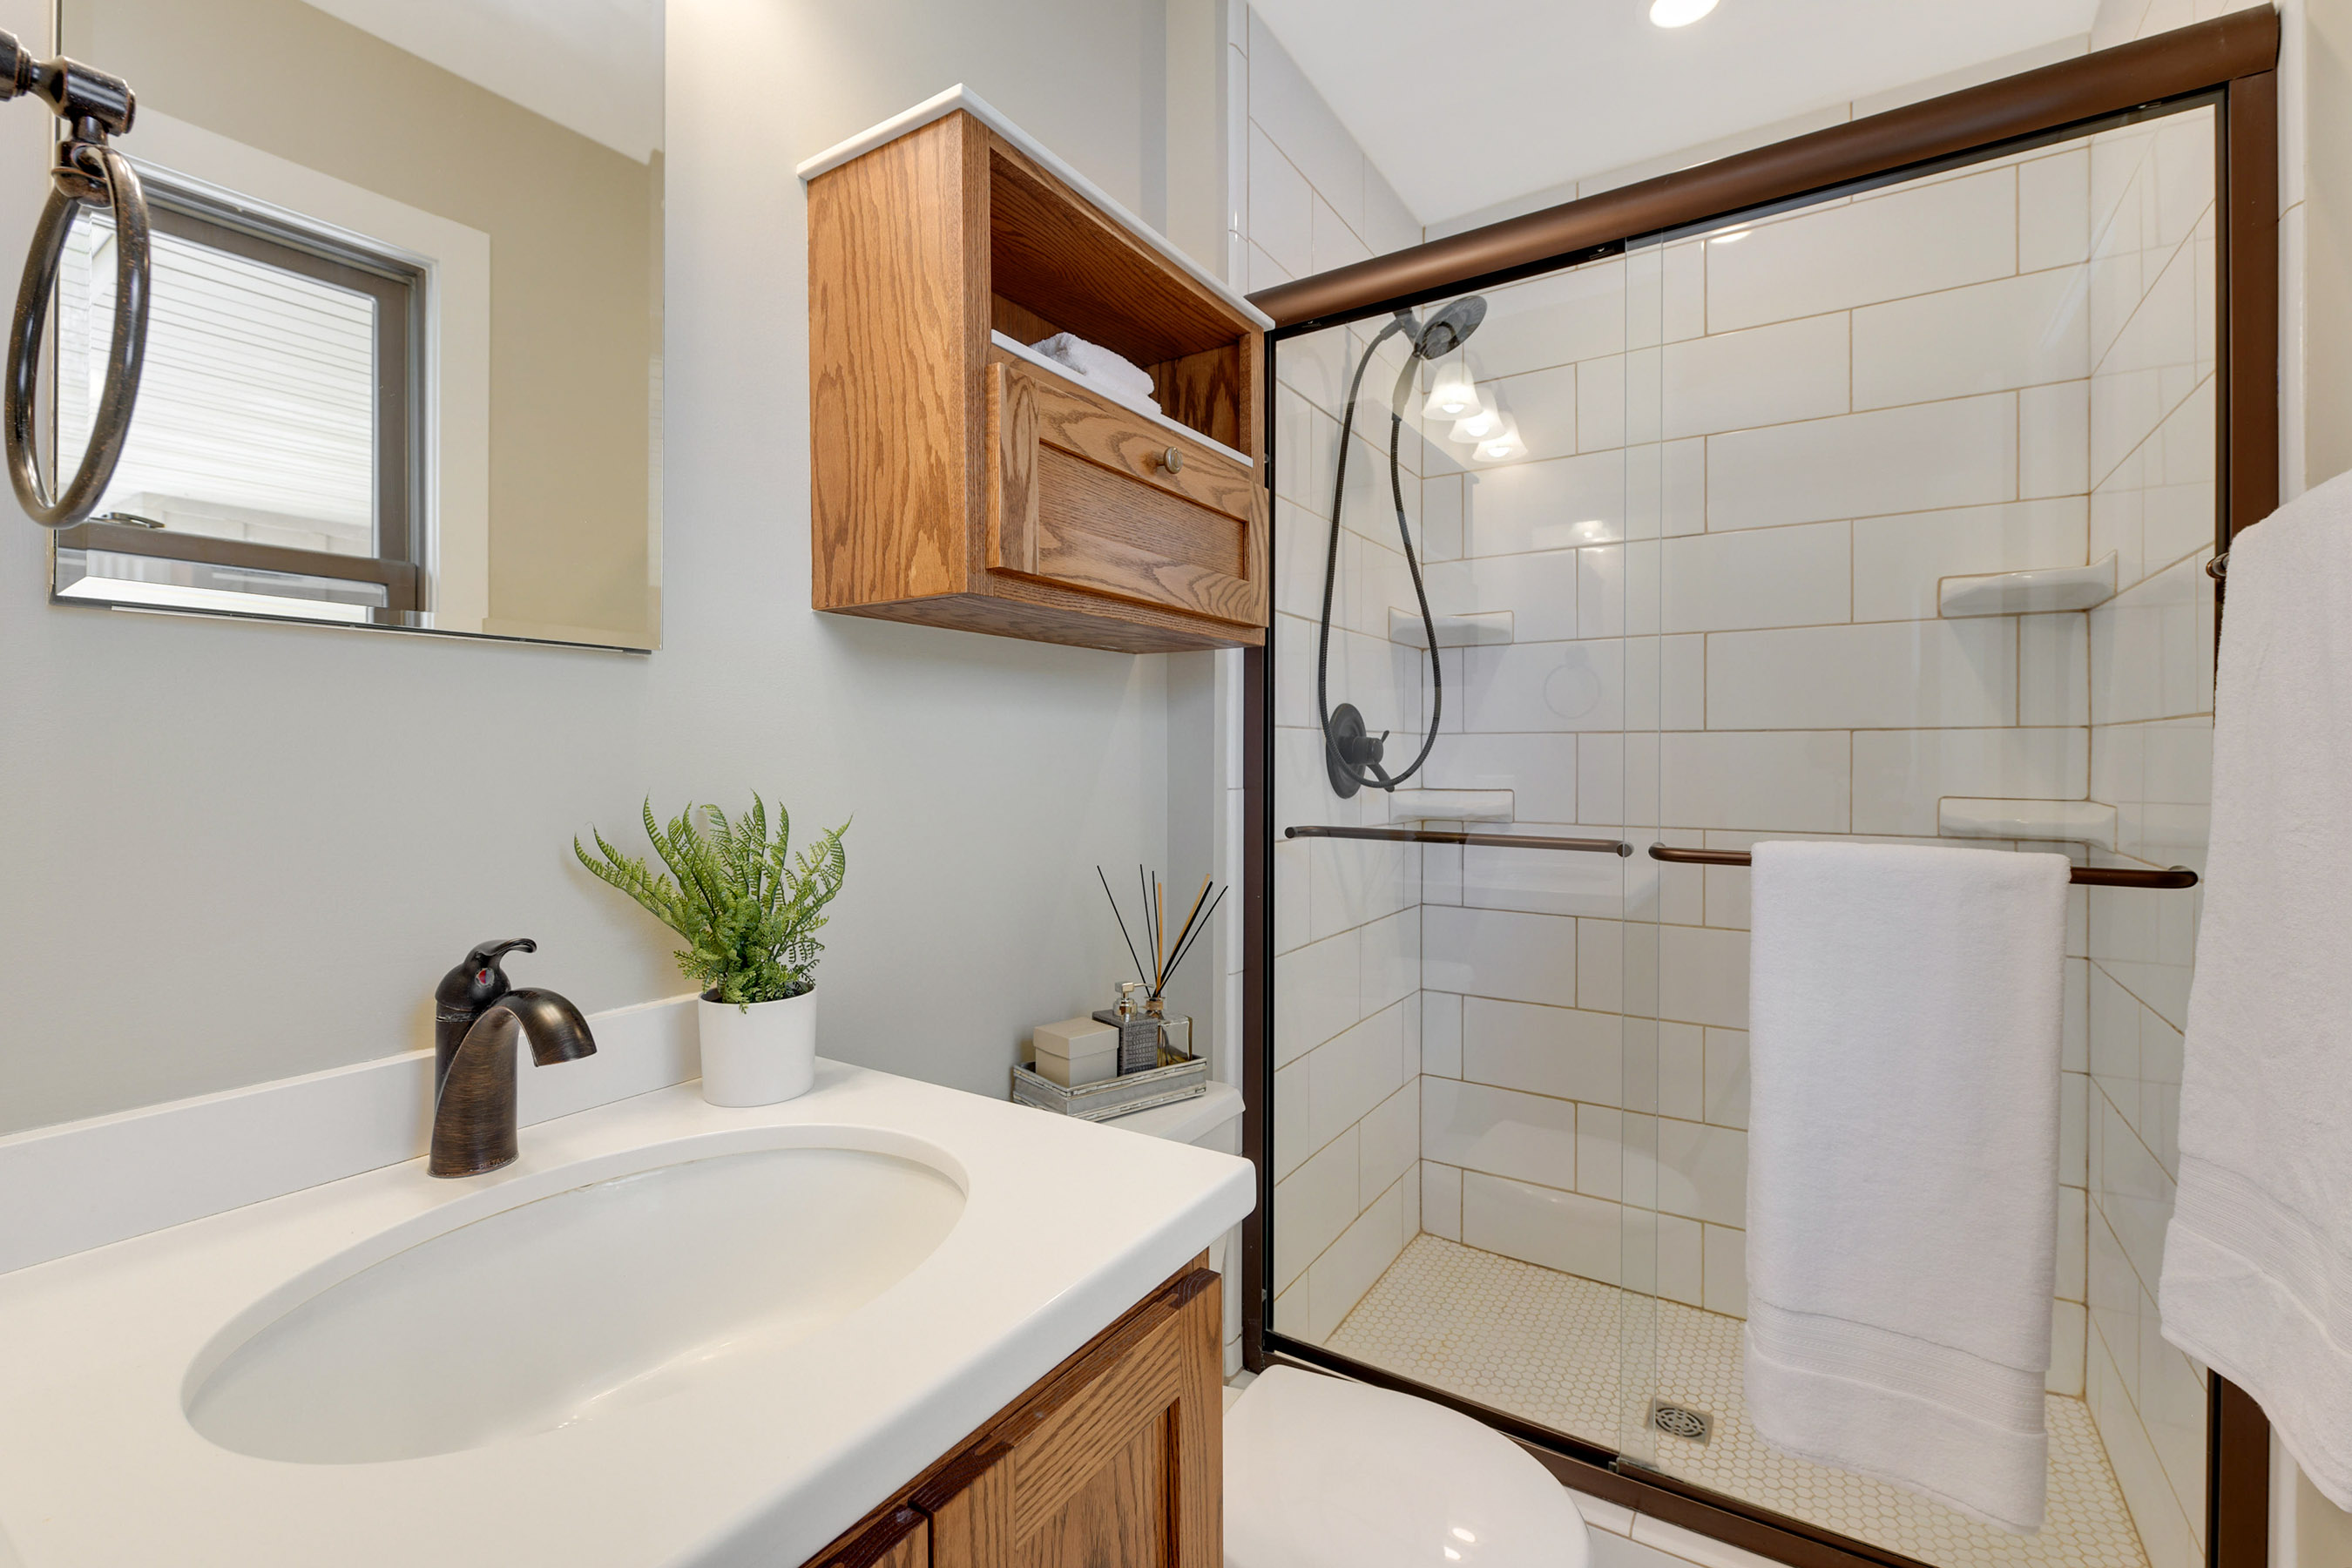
pixel 111 173
pixel 94 105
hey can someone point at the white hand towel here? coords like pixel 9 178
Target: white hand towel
pixel 1903 1164
pixel 2257 1279
pixel 1096 363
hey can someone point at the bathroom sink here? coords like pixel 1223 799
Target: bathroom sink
pixel 568 1307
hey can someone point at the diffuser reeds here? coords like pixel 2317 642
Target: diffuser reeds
pixel 1166 953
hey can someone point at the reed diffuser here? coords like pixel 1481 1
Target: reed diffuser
pixel 1144 1030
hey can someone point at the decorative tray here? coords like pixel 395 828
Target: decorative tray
pixel 1176 1078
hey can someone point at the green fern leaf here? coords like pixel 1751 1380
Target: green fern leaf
pixel 747 908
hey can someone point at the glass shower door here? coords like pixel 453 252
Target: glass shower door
pixel 1871 413
pixel 1449 1081
pixel 1719 540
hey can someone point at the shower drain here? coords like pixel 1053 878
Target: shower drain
pixel 1677 1421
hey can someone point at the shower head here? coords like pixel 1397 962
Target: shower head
pixel 1451 328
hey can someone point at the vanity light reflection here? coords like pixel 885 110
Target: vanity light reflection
pixel 1478 427
pixel 1504 444
pixel 1454 395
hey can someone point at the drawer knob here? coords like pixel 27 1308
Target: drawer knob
pixel 1172 460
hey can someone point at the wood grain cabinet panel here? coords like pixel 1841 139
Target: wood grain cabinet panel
pixel 900 1539
pixel 1114 1460
pixel 956 484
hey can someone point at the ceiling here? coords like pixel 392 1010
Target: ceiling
pixel 1463 106
pixel 591 65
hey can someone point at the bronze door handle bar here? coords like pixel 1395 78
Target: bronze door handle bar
pixel 2082 876
pixel 1480 840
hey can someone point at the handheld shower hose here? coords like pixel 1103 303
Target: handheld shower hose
pixel 1351 755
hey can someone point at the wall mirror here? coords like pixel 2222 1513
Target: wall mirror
pixel 403 363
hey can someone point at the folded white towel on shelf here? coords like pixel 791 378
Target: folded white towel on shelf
pixel 1903 1164
pixel 2257 1279
pixel 1115 372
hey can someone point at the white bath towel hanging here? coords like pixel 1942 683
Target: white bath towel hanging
pixel 2257 1279
pixel 1903 1164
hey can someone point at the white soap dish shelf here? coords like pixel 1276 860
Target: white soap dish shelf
pixel 1482 629
pixel 2086 822
pixel 2029 593
pixel 1450 804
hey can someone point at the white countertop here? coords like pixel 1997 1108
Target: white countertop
pixel 1065 1226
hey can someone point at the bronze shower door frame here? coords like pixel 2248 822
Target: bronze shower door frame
pixel 2229 62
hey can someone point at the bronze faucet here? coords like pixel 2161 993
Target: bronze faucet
pixel 474 1097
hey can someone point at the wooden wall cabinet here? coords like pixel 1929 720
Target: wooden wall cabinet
pixel 957 482
pixel 1114 1460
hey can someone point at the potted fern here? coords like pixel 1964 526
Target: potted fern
pixel 749 914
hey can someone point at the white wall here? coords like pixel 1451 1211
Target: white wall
pixel 1346 1038
pixel 241 851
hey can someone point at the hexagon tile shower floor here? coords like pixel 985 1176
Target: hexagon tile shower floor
pixel 1544 1345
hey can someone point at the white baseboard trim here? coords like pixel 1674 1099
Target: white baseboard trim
pixel 81 1184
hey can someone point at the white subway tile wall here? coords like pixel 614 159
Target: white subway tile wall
pixel 1349 1038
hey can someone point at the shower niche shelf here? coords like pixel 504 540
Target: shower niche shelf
pixel 1481 628
pixel 2087 822
pixel 959 481
pixel 2029 593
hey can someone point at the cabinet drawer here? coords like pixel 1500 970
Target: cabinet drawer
pixel 1083 494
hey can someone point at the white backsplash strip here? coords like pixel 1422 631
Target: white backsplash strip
pixel 81 1184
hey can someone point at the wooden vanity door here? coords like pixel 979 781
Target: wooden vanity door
pixel 1118 1465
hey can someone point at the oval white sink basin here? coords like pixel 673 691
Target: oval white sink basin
pixel 570 1307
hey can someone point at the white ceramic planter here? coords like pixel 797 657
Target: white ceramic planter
pixel 758 1055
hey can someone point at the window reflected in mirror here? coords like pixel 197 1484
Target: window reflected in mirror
pixel 390 380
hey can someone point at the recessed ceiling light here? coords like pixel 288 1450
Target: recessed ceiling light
pixel 1678 13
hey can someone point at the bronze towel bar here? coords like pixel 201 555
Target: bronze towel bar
pixel 1483 840
pixel 2083 876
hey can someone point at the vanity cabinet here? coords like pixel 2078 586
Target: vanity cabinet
pixel 959 479
pixel 1113 1460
